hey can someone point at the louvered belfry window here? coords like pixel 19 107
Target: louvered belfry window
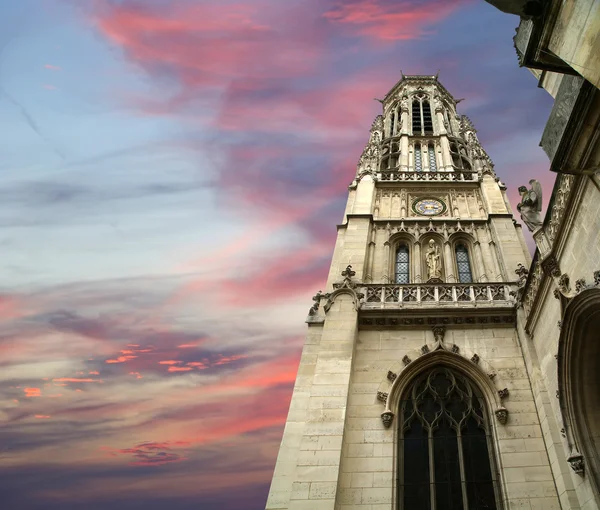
pixel 432 163
pixel 444 445
pixel 402 265
pixel 464 265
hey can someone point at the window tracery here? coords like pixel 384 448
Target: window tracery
pixel 463 264
pixel 444 445
pixel 402 264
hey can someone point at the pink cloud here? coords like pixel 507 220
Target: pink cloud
pixel 120 359
pixel 137 374
pixel 180 369
pixel 152 453
pixel 49 87
pixel 43 416
pixel 53 68
pixel 169 362
pixel 388 21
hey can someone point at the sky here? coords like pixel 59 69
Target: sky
pixel 172 174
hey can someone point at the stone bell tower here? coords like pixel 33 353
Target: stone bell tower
pixel 412 392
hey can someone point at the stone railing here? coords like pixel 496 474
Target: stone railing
pixel 398 175
pixel 443 294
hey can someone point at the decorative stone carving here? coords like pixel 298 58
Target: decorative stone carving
pixel 577 463
pixel 433 260
pixel 406 360
pixel 580 285
pixel 424 349
pixel 387 417
pixel 564 284
pixel 391 376
pixel 438 333
pixel 550 266
pixel 455 349
pixel 317 299
pixel 559 205
pixel 475 359
pixel 492 375
pixel 502 415
pixel 596 277
pixel 530 206
pixel 503 393
pixel 381 395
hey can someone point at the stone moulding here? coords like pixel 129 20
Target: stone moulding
pixel 391 388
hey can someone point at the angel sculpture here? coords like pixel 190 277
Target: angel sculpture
pixel 530 206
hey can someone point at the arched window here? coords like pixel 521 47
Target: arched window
pixel 392 122
pixel 427 122
pixel 418 164
pixel 402 264
pixel 444 446
pixel 432 163
pixel 416 117
pixel 463 264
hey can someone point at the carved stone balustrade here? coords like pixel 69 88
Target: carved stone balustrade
pixel 398 175
pixel 379 296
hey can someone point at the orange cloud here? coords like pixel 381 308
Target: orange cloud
pixel 180 369
pixel 170 362
pixel 33 392
pixel 94 372
pixel 120 359
pixel 137 374
pixel 77 380
pixel 42 416
pixel 200 365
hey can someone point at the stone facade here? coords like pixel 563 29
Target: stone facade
pixel 399 304
pixel 371 334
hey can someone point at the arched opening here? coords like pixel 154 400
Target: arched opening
pixel 579 379
pixel 444 445
pixel 427 121
pixel 418 161
pixel 416 117
pixel 432 162
pixel 402 269
pixel 463 264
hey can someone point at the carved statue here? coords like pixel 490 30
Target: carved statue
pixel 432 256
pixel 317 299
pixel 530 206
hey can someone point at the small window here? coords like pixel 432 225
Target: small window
pixel 432 163
pixel 392 123
pixel 464 266
pixel 402 264
pixel 418 164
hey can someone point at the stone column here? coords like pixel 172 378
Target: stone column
pixel 448 263
pixel 446 153
pixel 481 270
pixel 417 275
pixel 404 153
pixel 386 262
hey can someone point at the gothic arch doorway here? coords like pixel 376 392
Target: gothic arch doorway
pixel 579 382
pixel 445 448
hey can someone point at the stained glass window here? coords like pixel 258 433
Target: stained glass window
pixel 444 452
pixel 402 264
pixel 432 163
pixel 464 266
pixel 418 164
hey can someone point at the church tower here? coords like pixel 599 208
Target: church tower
pixel 412 391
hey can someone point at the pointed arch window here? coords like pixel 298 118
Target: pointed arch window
pixel 427 121
pixel 463 263
pixel 432 162
pixel 402 264
pixel 416 117
pixel 418 162
pixel 392 122
pixel 444 446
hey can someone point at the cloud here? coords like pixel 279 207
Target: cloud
pixel 33 392
pixel 52 68
pixel 392 20
pixel 152 453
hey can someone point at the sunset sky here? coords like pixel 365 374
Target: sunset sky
pixel 172 174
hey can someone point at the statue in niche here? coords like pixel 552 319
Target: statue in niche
pixel 432 257
pixel 530 206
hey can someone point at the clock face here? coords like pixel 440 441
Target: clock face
pixel 429 207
